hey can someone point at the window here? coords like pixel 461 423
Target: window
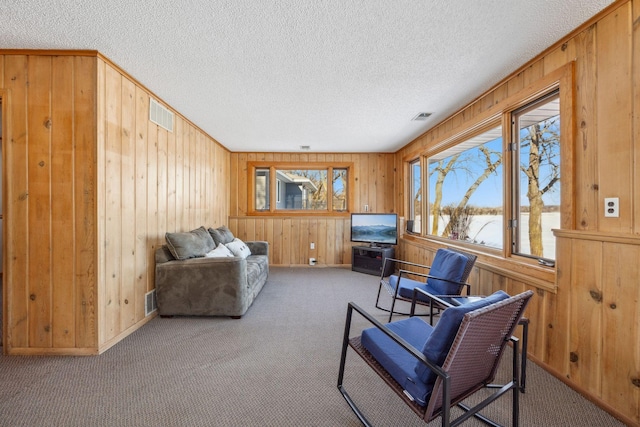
pixel 415 197
pixel 339 186
pixel 465 187
pixel 317 188
pixel 536 162
pixel 466 198
pixel 262 189
pixel 503 183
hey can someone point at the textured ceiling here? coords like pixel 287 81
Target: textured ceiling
pixel 337 75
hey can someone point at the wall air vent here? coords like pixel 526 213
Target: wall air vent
pixel 150 302
pixel 420 117
pixel 159 115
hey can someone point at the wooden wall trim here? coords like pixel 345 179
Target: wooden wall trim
pixel 520 276
pixel 626 239
pixel 52 52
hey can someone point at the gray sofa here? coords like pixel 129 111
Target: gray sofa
pixel 191 281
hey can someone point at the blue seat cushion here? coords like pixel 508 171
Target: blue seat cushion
pixel 400 364
pixel 407 285
pixel 439 342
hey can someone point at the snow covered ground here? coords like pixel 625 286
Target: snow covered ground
pixel 488 230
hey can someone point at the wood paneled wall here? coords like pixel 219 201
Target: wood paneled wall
pixel 290 236
pixel 91 186
pixel 585 320
pixel 49 204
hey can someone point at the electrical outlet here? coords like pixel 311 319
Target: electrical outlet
pixel 611 207
pixel 312 245
pixel 366 208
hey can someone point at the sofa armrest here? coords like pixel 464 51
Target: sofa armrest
pixel 258 247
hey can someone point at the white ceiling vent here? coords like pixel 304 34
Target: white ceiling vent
pixel 421 117
pixel 159 115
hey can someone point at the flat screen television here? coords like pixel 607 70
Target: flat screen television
pixel 376 229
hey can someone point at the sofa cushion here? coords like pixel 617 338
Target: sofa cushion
pixel 407 285
pixel 437 346
pixel 238 248
pixel 192 244
pixel 221 235
pixel 220 252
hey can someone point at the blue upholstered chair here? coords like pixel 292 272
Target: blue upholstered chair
pixel 434 368
pixel 447 275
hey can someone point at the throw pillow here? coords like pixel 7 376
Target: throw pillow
pixel 239 248
pixel 220 252
pixel 192 244
pixel 221 235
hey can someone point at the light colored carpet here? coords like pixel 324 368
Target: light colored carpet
pixel 277 366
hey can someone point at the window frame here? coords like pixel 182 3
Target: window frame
pixel 487 125
pixel 275 166
pixel 514 214
pixel 419 162
pixel 504 260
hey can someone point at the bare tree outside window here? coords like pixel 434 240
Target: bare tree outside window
pixel 537 156
pixel 465 190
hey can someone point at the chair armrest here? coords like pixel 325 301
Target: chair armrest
pixel 432 299
pixel 400 262
pixel 428 276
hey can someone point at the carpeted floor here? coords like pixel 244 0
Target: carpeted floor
pixel 277 366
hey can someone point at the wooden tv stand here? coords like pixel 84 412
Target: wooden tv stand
pixel 369 260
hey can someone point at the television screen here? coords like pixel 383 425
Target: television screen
pixel 374 228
